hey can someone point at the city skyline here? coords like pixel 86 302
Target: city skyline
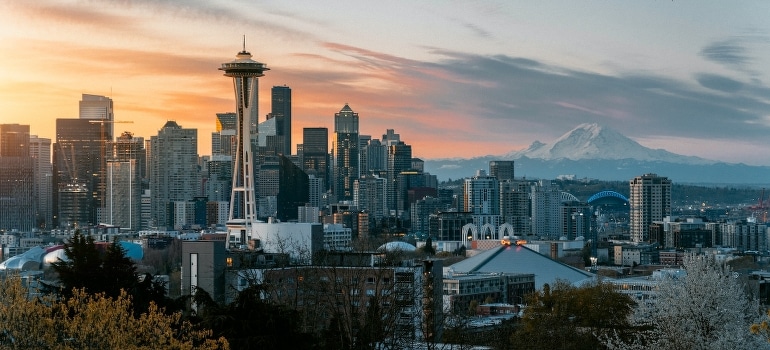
pixel 474 78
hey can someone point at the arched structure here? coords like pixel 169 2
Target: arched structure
pixel 568 197
pixel 506 229
pixel 488 232
pixel 608 197
pixel 470 230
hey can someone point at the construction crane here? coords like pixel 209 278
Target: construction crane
pixel 103 160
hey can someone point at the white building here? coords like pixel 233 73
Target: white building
pixel 337 237
pixel 299 240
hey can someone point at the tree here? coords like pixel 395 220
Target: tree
pixel 569 317
pixel 91 321
pixel 762 328
pixel 706 309
pixel 428 248
pixel 110 272
pixel 250 322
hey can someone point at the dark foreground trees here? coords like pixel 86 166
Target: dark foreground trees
pixel 252 323
pixel 563 316
pixel 110 272
pixel 91 321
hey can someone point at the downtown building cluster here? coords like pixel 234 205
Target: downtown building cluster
pixel 91 176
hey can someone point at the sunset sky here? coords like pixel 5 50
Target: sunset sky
pixel 454 78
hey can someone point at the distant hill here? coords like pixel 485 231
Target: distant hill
pixel 592 151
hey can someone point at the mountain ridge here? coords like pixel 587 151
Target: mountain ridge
pixel 597 152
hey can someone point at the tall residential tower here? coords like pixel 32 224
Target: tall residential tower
pixel 650 201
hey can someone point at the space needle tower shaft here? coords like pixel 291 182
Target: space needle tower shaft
pixel 245 73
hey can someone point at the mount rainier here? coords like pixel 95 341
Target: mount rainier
pixel 593 151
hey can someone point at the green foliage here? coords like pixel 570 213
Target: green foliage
pixel 91 321
pixel 111 273
pixel 568 317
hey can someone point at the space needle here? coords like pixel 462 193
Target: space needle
pixel 245 73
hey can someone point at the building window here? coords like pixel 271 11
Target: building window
pixel 229 261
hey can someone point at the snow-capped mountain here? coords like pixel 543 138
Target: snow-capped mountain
pixel 592 141
pixel 592 151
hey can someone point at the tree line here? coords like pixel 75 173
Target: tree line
pixel 100 301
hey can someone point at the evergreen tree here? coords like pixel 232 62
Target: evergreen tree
pixel 110 272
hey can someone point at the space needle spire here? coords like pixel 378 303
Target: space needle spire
pixel 245 73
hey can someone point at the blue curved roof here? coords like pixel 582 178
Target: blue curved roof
pixel 607 194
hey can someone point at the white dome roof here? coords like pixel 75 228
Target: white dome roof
pixel 396 246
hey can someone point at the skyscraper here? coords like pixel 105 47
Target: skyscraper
pixel 17 191
pixel 650 200
pixel 281 111
pixel 174 175
pixel 515 205
pixel 399 160
pixel 129 147
pixel 345 152
pixel 315 154
pixel 501 169
pixel 98 107
pixel 245 73
pixel 546 209
pixel 123 196
pixel 40 151
pixel 77 156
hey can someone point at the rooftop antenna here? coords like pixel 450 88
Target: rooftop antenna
pixel 244 42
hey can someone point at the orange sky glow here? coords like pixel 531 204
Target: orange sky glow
pixel 453 81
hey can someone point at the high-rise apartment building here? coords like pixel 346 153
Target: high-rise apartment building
pixel 219 172
pixel 650 200
pixel 482 198
pixel 17 178
pixel 369 194
pixel 345 145
pixel 174 175
pixel 40 151
pixel 546 210
pixel 123 195
pixel 281 111
pixel 515 205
